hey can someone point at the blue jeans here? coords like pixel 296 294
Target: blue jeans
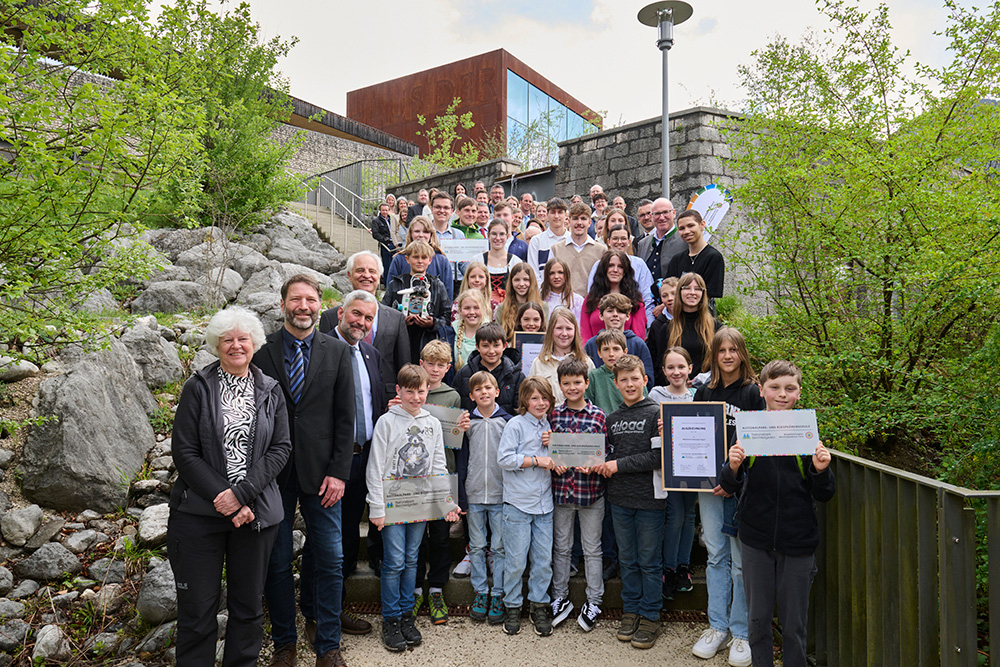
pixel 478 517
pixel 523 535
pixel 678 534
pixel 400 546
pixel 727 600
pixel 639 534
pixel 326 581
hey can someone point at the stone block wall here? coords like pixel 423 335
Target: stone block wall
pixel 323 152
pixel 487 172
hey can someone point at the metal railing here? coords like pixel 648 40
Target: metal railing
pixel 361 186
pixel 334 208
pixel 896 582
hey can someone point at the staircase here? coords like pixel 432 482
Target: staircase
pixel 334 229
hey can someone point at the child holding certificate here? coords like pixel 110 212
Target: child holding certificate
pixel 407 442
pixel 779 554
pixel 733 382
pixel 678 532
pixel 578 493
pixel 527 508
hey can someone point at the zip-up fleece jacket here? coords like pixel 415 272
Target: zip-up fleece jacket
pixel 482 474
pixel 631 429
pixel 776 511
pixel 402 446
pixel 199 454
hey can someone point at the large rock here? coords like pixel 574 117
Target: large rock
pixel 19 525
pixel 10 609
pixel 48 530
pixel 157 359
pixel 273 277
pixel 153 525
pixel 157 639
pixel 99 301
pixel 51 561
pixel 170 272
pixel 100 433
pixel 267 305
pixel 157 601
pixel 293 251
pixel 6 580
pixel 50 645
pixel 202 358
pixel 172 242
pixel 80 541
pixel 12 370
pixel 249 262
pixel 170 296
pixel 222 284
pixel 12 634
pixel 107 571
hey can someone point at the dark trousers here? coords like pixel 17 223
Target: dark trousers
pixel 435 555
pixel 353 508
pixel 197 547
pixel 769 577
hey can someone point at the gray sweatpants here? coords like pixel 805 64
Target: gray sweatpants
pixel 769 577
pixel 591 527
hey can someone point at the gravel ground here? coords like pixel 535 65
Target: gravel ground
pixel 463 643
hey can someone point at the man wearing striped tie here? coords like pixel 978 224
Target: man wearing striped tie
pixel 316 374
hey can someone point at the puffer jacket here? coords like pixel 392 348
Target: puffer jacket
pixel 201 460
pixel 507 373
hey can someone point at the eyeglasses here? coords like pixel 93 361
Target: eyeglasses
pixel 667 212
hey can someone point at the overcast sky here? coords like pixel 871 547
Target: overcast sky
pixel 596 50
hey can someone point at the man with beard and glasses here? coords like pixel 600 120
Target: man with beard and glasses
pixel 316 374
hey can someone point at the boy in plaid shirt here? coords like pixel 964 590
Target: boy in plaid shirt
pixel 578 492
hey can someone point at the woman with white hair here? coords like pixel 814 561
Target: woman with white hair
pixel 230 441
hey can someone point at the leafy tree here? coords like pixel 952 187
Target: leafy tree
pixel 871 187
pixel 443 138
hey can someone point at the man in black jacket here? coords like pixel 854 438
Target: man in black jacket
pixel 316 376
pixel 381 232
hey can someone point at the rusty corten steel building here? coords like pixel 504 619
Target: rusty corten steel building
pixel 499 90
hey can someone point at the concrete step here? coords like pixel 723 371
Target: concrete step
pixel 334 230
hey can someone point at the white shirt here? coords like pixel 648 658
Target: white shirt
pixel 540 247
pixel 366 386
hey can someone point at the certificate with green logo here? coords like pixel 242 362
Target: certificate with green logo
pixel 777 432
pixel 417 499
pixel 577 450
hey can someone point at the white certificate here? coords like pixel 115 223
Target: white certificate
pixel 694 446
pixel 464 250
pixel 529 343
pixel 777 433
pixel 417 499
pixel 577 450
pixel 449 424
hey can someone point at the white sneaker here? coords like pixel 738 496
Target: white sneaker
pixel 464 567
pixel 709 643
pixel 739 652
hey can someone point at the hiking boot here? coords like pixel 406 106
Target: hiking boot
pixel 418 602
pixel 645 635
pixel 439 610
pixel 683 583
pixel 561 609
pixel 331 659
pixel 392 636
pixel 512 620
pixel 479 607
pixel 627 626
pixel 496 614
pixel 539 616
pixel 408 628
pixel 284 656
pixel 588 616
pixel 349 625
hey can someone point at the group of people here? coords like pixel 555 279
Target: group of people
pixel 334 406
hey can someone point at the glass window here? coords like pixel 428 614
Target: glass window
pixel 517 97
pixel 576 125
pixel 516 139
pixel 538 108
pixel 559 120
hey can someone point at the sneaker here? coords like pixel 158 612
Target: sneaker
pixel 539 616
pixel 496 613
pixel 669 584
pixel 392 637
pixel 682 582
pixel 408 628
pixel 464 567
pixel 439 610
pixel 561 609
pixel 610 568
pixel 739 652
pixel 627 626
pixel 512 620
pixel 479 607
pixel 588 616
pixel 645 635
pixel 418 602
pixel 709 643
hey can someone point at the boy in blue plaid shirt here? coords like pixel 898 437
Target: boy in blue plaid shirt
pixel 578 492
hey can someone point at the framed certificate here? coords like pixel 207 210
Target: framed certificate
pixel 577 450
pixel 529 344
pixel 694 445
pixel 418 499
pixel 777 433
pixel 449 424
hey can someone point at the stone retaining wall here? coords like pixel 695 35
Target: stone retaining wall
pixel 487 172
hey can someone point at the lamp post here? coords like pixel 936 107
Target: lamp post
pixel 665 14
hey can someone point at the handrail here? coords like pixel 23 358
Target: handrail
pixel 962 492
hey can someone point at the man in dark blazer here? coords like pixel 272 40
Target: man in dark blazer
pixel 355 319
pixel 418 208
pixel 316 375
pixel 388 332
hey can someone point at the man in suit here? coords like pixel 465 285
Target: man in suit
pixel 663 242
pixel 355 320
pixel 388 331
pixel 316 375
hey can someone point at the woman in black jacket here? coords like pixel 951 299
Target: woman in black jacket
pixel 230 441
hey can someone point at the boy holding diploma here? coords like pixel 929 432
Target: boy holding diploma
pixel 778 528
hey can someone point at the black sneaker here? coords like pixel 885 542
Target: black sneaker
pixel 669 584
pixel 392 637
pixel 408 628
pixel 561 609
pixel 512 621
pixel 539 616
pixel 683 584
pixel 588 616
pixel 627 626
pixel 645 635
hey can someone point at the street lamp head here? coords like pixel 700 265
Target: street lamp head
pixel 674 11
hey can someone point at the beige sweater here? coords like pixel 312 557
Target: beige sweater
pixel 579 261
